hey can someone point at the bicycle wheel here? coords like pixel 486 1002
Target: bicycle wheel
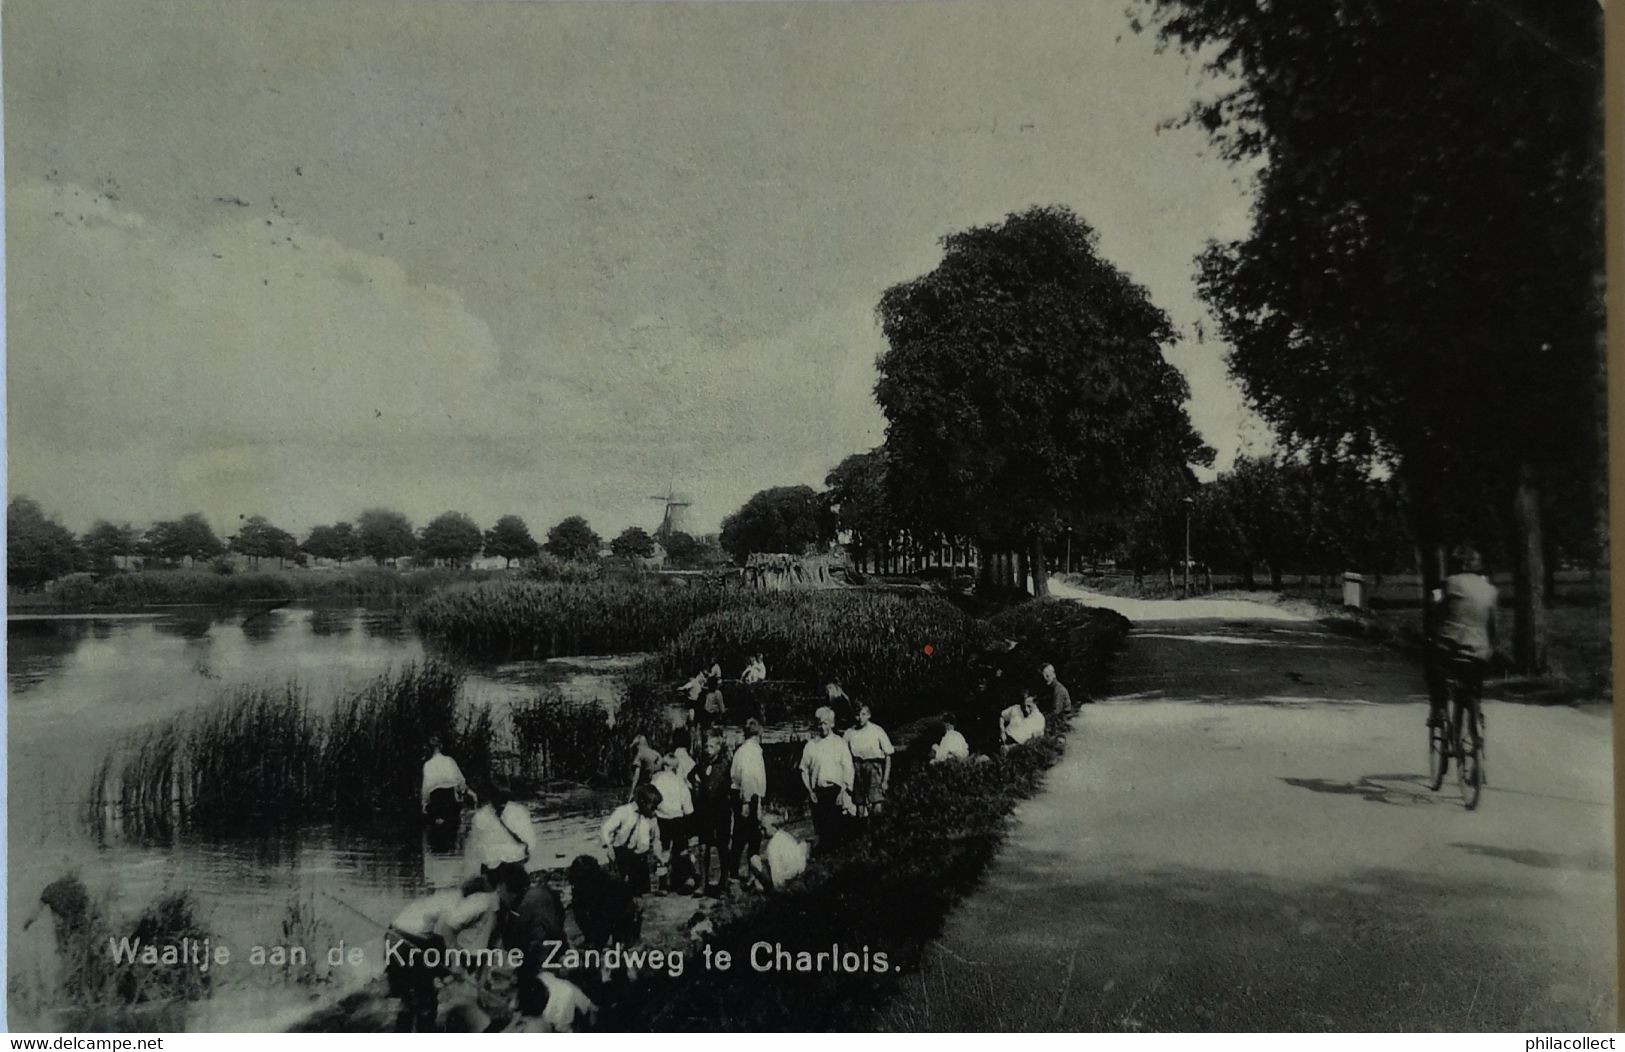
pixel 1438 750
pixel 1469 766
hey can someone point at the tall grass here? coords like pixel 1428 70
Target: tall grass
pixel 261 756
pixel 203 588
pixel 875 644
pixel 518 619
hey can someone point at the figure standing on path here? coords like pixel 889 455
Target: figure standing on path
pixel 826 772
pixel 748 775
pixel 632 838
pixel 713 818
pixel 871 758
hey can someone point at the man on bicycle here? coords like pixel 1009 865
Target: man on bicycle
pixel 1464 638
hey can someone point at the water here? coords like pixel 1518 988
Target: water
pixel 78 685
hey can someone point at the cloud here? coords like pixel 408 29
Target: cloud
pixel 212 367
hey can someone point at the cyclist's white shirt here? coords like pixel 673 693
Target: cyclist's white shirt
pixel 1469 601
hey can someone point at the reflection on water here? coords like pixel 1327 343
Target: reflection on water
pixel 79 686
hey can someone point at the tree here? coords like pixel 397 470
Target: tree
pixel 189 537
pixel 257 539
pixel 452 536
pixel 38 548
pixel 510 539
pixel 1421 288
pixel 105 543
pixel 338 542
pixel 633 543
pixel 781 519
pixel 1024 384
pixel 385 535
pixel 858 498
pixel 572 538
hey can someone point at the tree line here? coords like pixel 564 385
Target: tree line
pixel 40 549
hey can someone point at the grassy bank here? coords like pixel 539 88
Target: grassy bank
pixel 899 653
pixel 889 891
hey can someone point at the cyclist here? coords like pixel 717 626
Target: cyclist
pixel 1464 638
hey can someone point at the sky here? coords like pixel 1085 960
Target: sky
pixel 298 259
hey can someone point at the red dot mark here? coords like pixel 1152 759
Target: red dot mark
pixel 929 650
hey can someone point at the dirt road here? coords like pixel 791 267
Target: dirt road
pixel 1241 838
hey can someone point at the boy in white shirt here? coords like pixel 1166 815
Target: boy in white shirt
pixel 782 860
pixel 748 773
pixel 674 814
pixel 953 745
pixel 631 836
pixel 826 772
pixel 1022 723
pixel 871 763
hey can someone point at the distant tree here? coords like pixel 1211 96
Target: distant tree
pixel 105 543
pixel 257 539
pixel 633 543
pixel 338 542
pixel 189 537
pixel 573 538
pixel 38 548
pixel 781 519
pixel 452 536
pixel 510 539
pixel 682 549
pixel 384 535
pixel 1025 384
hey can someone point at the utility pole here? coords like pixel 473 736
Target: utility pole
pixel 1069 549
pixel 1188 503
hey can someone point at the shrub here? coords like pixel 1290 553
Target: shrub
pixel 872 643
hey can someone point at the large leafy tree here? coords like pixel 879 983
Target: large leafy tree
pixel 189 537
pixel 1025 386
pixel 452 536
pixel 510 539
pixel 38 548
pixel 1421 286
pixel 384 535
pixel 781 519
pixel 573 538
pixel 856 491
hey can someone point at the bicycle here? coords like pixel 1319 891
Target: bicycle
pixel 1458 732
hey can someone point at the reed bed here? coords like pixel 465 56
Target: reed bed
pixel 263 756
pixel 206 588
pixel 509 619
pixel 574 741
pixel 897 653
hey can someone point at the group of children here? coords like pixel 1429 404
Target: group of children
pixel 691 823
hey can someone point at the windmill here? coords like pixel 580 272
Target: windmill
pixel 675 519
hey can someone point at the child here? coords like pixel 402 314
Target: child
pixel 953 745
pixel 632 838
pixel 782 860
